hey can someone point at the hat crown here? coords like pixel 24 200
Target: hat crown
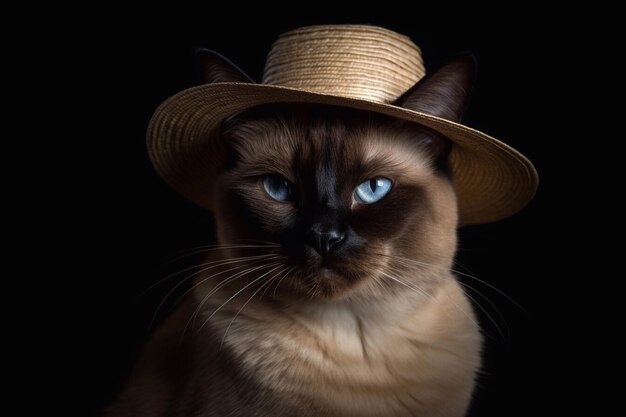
pixel 354 61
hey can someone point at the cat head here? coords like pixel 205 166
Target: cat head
pixel 346 200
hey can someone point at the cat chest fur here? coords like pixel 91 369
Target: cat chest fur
pixel 397 360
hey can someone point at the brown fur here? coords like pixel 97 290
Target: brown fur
pixel 378 328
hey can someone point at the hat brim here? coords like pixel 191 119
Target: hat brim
pixel 492 180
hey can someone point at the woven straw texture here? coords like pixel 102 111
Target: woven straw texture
pixel 360 67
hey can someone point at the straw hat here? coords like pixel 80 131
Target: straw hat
pixel 361 67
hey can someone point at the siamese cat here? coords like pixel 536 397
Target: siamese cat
pixel 330 292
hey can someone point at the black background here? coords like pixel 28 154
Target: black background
pixel 126 224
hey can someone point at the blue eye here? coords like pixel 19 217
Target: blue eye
pixel 372 190
pixel 277 187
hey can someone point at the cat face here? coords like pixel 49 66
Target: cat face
pixel 348 197
pixel 347 202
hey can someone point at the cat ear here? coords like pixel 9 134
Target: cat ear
pixel 215 68
pixel 444 93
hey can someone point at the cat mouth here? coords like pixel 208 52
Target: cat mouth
pixel 327 272
pixel 331 279
pixel 325 267
pixel 329 283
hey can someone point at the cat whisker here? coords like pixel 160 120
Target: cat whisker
pixel 266 285
pixel 293 278
pixel 281 280
pixel 410 286
pixel 172 290
pixel 215 265
pixel 211 248
pixel 225 282
pixel 203 280
pixel 502 293
pixel 408 262
pixel 378 281
pixel 456 271
pixel 240 274
pixel 399 280
pixel 242 243
pixel 265 242
pixel 272 279
pixel 235 295
pixel 505 337
pixel 211 264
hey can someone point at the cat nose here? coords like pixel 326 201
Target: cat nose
pixel 324 242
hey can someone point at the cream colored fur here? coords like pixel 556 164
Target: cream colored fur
pixel 409 356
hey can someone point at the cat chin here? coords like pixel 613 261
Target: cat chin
pixel 332 283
